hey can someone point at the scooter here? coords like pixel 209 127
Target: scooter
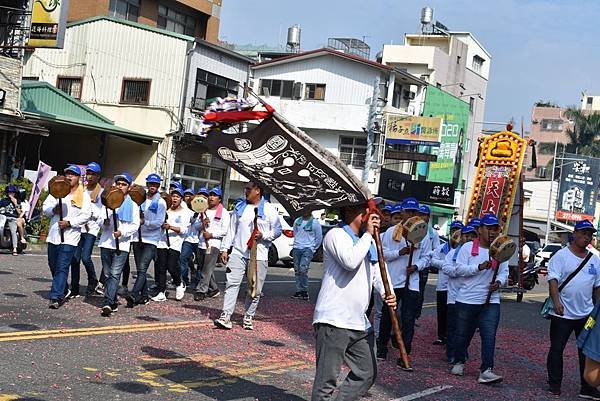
pixel 6 240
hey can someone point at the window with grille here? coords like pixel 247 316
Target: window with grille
pixel 552 125
pixel 125 9
pixel 477 63
pixel 135 91
pixel 176 21
pixel 209 86
pixel 353 151
pixel 315 91
pixel 196 176
pixel 70 85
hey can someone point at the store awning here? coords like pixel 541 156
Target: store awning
pixel 21 125
pixel 54 109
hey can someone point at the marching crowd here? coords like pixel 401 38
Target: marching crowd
pixel 352 288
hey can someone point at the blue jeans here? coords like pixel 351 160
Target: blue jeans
pixel 83 253
pixel 468 319
pixel 187 250
pixel 302 259
pixel 143 254
pixel 112 266
pixel 59 260
pixel 197 278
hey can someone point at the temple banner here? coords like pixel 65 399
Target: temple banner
pixel 497 179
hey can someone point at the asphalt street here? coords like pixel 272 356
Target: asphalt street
pixel 171 350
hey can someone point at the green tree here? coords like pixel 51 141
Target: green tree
pixel 584 136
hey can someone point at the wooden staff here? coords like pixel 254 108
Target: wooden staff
pixel 116 224
pixel 204 218
pixel 397 331
pixel 140 227
pixel 411 248
pixel 60 215
pixel 490 292
pixel 252 263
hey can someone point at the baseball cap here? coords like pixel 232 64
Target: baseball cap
pixel 396 209
pixel 178 190
pixel 202 191
pixel 11 188
pixel 424 209
pixel 217 191
pixel 188 191
pixel 467 229
pixel 387 208
pixel 124 177
pixel 490 220
pixel 456 224
pixel 410 204
pixel 153 178
pixel 72 168
pixel 93 167
pixel 475 223
pixel 584 225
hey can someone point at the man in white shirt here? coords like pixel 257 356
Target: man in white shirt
pixel 214 228
pixel 437 262
pixel 429 244
pixel 308 236
pixel 76 211
pixel 89 232
pixel 113 259
pixel 343 332
pixel 572 304
pixel 396 253
pixel 189 247
pixel 238 236
pixel 153 212
pixel 476 268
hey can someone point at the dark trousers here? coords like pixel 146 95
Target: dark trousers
pixel 167 259
pixel 197 277
pixel 112 266
pixel 469 317
pixel 423 276
pixel 560 331
pixel 335 346
pixel 59 261
pixel 451 333
pixel 442 314
pixel 83 254
pixel 143 254
pixel 408 309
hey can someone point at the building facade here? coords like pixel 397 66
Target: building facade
pixel 548 128
pixel 197 18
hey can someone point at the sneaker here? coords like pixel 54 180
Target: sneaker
pixel 114 308
pixel 489 377
pixel 304 296
pixel 297 295
pixel 589 393
pixel 90 290
pixel 224 322
pixel 180 292
pixel 458 369
pixel 554 391
pixel 99 289
pixel 67 295
pixel 247 323
pixel 381 354
pixel 213 293
pixel 122 291
pixel 161 297
pixel 403 367
pixel 130 301
pixel 199 296
pixel 54 304
pixel 144 301
pixel 73 295
pixel 106 310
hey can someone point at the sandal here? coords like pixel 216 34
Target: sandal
pixel 15 253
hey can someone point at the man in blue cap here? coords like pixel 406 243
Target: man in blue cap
pixel 191 248
pixel 11 210
pixel 573 302
pixel 477 270
pixel 438 259
pixel 214 228
pixel 429 244
pixel 113 259
pixel 153 212
pixel 76 212
pixel 89 232
pixel 386 214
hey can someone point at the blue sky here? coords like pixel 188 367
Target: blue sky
pixel 541 49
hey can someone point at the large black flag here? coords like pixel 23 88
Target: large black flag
pixel 292 166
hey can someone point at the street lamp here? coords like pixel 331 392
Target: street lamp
pixel 460 84
pixel 473 94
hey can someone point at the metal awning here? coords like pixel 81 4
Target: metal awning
pixel 21 125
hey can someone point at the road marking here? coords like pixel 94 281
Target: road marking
pixel 422 394
pixel 92 331
pixel 9 397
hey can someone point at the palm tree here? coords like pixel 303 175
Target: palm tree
pixel 583 137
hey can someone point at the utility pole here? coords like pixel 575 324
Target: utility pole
pixel 373 111
pixel 550 197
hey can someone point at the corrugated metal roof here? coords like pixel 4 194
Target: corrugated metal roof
pixel 132 24
pixel 44 102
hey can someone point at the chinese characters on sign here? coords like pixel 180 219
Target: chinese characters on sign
pixel 578 188
pixel 48 23
pixel 397 186
pixel 410 130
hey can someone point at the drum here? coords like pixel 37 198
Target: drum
pixel 415 229
pixel 199 204
pixel 59 186
pixel 167 198
pixel 137 194
pixel 112 197
pixel 455 238
pixel 502 248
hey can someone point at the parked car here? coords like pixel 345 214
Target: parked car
pixel 281 248
pixel 543 256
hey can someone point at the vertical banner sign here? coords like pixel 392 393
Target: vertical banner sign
pixel 497 178
pixel 578 188
pixel 48 23
pixel 43 174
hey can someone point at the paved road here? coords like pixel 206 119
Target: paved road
pixel 171 351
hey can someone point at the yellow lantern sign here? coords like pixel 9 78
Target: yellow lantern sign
pixel 48 23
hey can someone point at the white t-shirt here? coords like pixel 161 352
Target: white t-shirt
pixel 217 227
pixel 438 258
pixel 151 231
pixel 176 218
pixel 397 264
pixel 97 218
pixel 454 282
pixel 576 297
pixel 127 229
pixel 348 276
pixel 76 216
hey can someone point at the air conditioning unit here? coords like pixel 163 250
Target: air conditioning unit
pixel 541 172
pixel 193 126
